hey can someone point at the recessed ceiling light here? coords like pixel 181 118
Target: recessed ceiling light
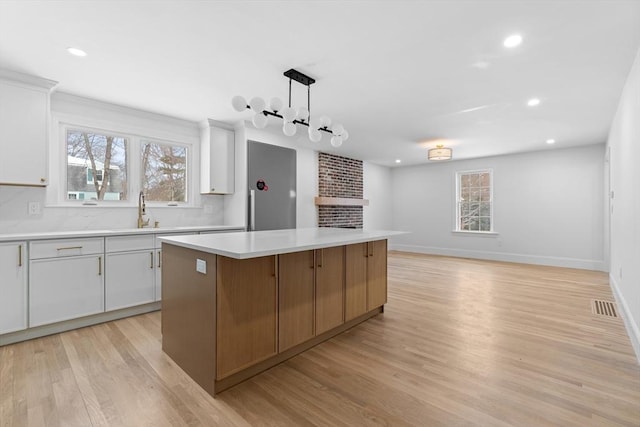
pixel 76 52
pixel 398 161
pixel 533 102
pixel 551 141
pixel 512 41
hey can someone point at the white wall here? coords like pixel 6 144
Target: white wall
pixel 547 208
pixel 377 189
pixel 624 204
pixel 56 216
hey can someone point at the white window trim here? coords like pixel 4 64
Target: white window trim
pixel 56 194
pixel 456 206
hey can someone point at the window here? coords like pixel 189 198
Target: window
pixel 474 210
pixel 164 172
pixel 96 166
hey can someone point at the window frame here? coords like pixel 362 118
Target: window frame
pixel 134 165
pixel 458 202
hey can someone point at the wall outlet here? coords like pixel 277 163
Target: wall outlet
pixel 201 266
pixel 34 208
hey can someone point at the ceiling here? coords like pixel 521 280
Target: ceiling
pixel 399 75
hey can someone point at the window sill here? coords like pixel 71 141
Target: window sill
pixel 476 233
pixel 119 206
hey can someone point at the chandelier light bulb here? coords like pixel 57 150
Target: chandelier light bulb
pixel 259 120
pixel 345 135
pixel 289 129
pixel 303 113
pixel 289 114
pixel 336 141
pixel 315 135
pixel 257 104
pixel 239 103
pixel 337 129
pixel 325 121
pixel 275 104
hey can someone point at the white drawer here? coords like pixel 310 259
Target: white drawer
pixel 65 247
pixel 128 243
pixel 158 244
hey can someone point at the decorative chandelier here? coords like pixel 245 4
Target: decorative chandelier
pixel 439 153
pixel 290 116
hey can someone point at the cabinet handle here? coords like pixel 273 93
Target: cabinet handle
pixel 43 180
pixel 69 248
pixel 321 260
pixel 99 266
pixel 151 265
pixel 19 255
pixel 365 248
pixel 275 266
pixel 159 259
pixel 371 245
pixel 313 259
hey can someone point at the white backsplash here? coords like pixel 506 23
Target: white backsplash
pixel 15 218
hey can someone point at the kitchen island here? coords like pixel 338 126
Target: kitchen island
pixel 236 304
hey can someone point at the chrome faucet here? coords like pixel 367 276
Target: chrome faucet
pixel 142 211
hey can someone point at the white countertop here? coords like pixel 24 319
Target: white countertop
pixel 115 232
pixel 253 244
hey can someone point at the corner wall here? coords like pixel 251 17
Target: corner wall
pixel 547 208
pixel 624 205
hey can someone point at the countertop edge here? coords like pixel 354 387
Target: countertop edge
pixel 116 232
pixel 336 241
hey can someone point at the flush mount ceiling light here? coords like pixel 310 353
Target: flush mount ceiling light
pixel 439 153
pixel 290 116
pixel 551 141
pixel 533 102
pixel 512 41
pixel 76 52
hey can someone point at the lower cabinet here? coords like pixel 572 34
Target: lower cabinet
pixel 65 288
pixel 13 287
pixel 130 271
pixel 310 294
pixel 246 312
pixel 365 277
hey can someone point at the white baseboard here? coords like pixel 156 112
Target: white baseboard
pixel 629 322
pixel 584 264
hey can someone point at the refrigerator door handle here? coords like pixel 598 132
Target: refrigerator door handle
pixel 252 210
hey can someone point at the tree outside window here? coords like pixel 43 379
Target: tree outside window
pixel 164 172
pixel 474 201
pixel 99 155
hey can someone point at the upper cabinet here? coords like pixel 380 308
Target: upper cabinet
pixel 24 117
pixel 217 159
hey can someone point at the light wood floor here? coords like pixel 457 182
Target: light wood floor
pixel 461 342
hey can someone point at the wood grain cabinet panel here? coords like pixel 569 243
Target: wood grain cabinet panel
pixel 376 274
pixel 355 303
pixel 246 312
pixel 295 299
pixel 329 288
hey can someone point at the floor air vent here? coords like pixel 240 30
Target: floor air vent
pixel 604 308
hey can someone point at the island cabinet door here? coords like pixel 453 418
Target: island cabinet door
pixel 376 274
pixel 246 331
pixel 355 280
pixel 295 299
pixel 329 288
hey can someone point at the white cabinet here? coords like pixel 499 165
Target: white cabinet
pixel 24 114
pixel 130 271
pixel 13 287
pixel 217 158
pixel 66 279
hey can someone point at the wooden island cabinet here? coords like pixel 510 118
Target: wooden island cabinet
pixel 228 315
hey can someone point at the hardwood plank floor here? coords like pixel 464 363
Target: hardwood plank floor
pixel 461 342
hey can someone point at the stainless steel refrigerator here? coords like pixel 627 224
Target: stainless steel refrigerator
pixel 271 172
